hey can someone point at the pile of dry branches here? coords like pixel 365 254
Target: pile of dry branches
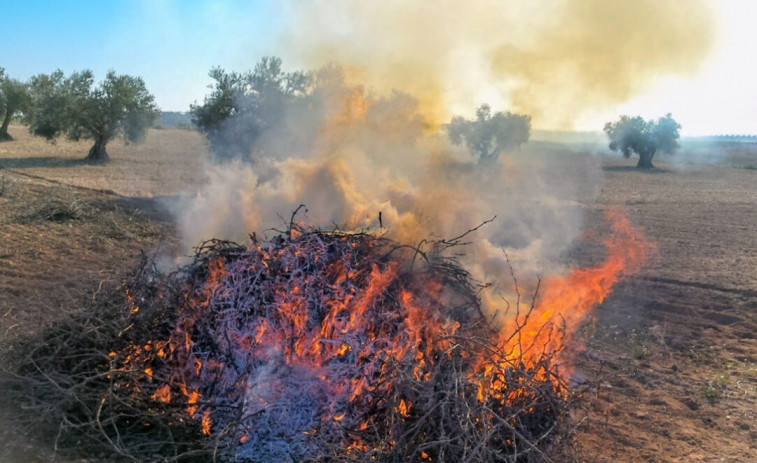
pixel 313 346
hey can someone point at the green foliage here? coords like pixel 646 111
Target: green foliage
pixel 243 106
pixel 48 106
pixel 120 105
pixel 635 135
pixel 2 95
pixel 639 346
pixel 14 99
pixel 715 388
pixel 269 113
pixel 488 135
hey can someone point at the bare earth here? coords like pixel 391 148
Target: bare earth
pixel 677 346
pixel 670 367
pixel 164 164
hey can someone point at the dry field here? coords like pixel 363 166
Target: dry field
pixel 677 346
pixel 163 165
pixel 671 364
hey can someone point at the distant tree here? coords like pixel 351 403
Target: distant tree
pixel 334 102
pixel 635 135
pixel 243 106
pixel 120 105
pixel 269 113
pixel 49 104
pixel 173 120
pixel 488 135
pixel 14 99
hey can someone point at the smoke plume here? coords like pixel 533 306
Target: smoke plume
pixel 368 157
pixel 597 53
pixel 552 59
pixel 361 156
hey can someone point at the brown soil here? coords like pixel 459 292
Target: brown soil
pixel 670 366
pixel 167 161
pixel 675 349
pixel 65 230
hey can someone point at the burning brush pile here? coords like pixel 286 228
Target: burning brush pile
pixel 311 346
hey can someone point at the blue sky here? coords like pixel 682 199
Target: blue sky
pixel 172 44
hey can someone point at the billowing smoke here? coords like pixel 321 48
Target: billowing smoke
pixel 367 156
pixel 552 59
pixel 596 53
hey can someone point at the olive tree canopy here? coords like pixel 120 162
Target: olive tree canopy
pixel 489 134
pixel 241 107
pixel 635 135
pixel 267 113
pixel 14 99
pixel 120 105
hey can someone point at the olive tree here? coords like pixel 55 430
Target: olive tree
pixel 120 105
pixel 489 134
pixel 268 113
pixel 14 99
pixel 242 107
pixel 635 135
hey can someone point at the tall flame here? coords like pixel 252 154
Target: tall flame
pixel 566 301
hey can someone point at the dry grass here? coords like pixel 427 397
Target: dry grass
pixel 58 245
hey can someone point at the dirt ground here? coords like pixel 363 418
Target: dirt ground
pixel 167 161
pixel 676 347
pixel 66 228
pixel 670 367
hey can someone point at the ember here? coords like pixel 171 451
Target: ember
pixel 313 346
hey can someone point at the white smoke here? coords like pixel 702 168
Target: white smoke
pixel 424 189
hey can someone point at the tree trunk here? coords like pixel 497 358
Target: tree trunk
pixel 97 153
pixel 645 161
pixel 4 135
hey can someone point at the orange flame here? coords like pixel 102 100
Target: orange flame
pixel 403 408
pixel 566 300
pixel 206 422
pixel 163 394
pixel 356 326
